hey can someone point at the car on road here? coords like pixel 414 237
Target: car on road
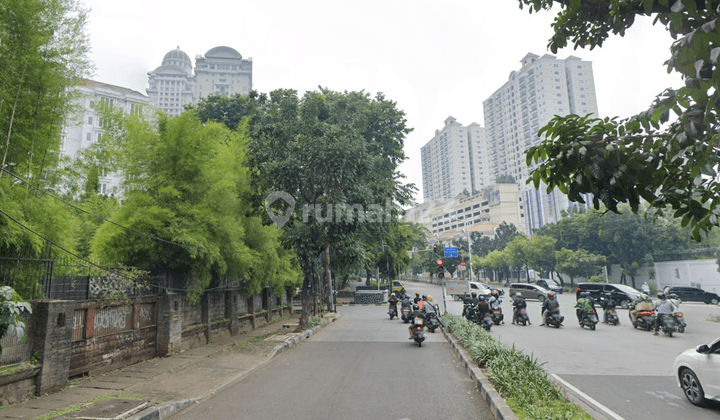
pixel 694 294
pixel 529 291
pixel 622 294
pixel 698 373
pixel 549 284
pixel 500 290
pixel 481 289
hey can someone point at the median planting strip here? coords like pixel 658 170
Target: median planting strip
pixel 519 378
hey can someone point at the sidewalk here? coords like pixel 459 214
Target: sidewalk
pixel 157 388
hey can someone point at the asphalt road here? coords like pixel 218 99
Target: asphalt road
pixel 628 371
pixel 361 366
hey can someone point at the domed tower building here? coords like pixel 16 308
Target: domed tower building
pixel 223 71
pixel 172 85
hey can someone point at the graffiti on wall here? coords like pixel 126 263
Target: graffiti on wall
pixel 112 318
pixel 110 285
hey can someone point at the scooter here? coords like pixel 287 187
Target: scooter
pixel 644 320
pixel 668 325
pixel 589 320
pixel 679 321
pixel 418 327
pixel 612 317
pixel 497 315
pixel 487 321
pixel 554 320
pixel 406 310
pixel 392 312
pixel 431 322
pixel 522 317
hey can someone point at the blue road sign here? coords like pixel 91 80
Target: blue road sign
pixel 451 252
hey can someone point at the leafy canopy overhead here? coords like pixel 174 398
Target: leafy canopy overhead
pixel 671 163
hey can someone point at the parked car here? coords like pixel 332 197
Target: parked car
pixel 695 294
pixel 698 373
pixel 529 291
pixel 622 294
pixel 549 284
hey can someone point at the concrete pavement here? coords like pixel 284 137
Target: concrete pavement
pixel 160 387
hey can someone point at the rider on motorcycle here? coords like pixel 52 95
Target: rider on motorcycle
pixel 416 312
pixel 550 306
pixel 518 304
pixel 584 306
pixel 483 308
pixel 608 304
pixel 664 307
pixel 393 301
pixel 494 298
pixel 417 297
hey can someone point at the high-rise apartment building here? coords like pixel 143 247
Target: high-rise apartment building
pixel 454 161
pixel 222 70
pixel 543 87
pixel 84 127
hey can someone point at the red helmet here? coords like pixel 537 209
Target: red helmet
pixel 550 294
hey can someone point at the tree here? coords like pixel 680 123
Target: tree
pixel 541 254
pixel 328 162
pixel 670 164
pixel 517 252
pixel 504 234
pixel 578 263
pixel 185 187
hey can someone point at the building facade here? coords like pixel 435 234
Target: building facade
pixel 84 127
pixel 222 70
pixel 454 161
pixel 482 213
pixel 544 86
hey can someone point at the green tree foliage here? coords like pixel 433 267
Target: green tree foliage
pixel 541 253
pixel 185 184
pixel 328 150
pixel 12 307
pixel 518 252
pixel 669 162
pixel 580 263
pixel 504 234
pixel 43 53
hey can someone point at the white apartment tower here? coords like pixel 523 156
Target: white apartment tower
pixel 454 161
pixel 222 70
pixel 84 127
pixel 543 87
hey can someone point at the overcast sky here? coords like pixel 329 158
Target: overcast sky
pixel 434 58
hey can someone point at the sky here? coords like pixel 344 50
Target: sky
pixel 433 58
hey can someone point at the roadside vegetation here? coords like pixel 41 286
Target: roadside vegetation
pixel 519 378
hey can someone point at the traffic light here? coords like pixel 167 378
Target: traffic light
pixel 435 249
pixel 440 270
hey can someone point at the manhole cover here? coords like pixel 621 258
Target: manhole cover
pixel 111 410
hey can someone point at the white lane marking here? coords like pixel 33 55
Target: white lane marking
pixel 606 410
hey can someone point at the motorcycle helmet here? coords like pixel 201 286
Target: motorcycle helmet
pixel 661 296
pixel 495 293
pixel 517 295
pixel 392 294
pixel 551 295
pixel 429 298
pixel 473 294
pixel 417 294
pixel 424 297
pixel 416 307
pixel 584 294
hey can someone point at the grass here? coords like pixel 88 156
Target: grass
pixel 238 346
pixel 314 321
pixel 529 392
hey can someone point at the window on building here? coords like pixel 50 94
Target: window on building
pixel 89 136
pixel 90 120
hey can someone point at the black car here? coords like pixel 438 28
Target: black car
pixel 694 294
pixel 622 295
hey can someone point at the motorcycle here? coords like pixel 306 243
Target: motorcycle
pixel 392 312
pixel 406 310
pixel 487 321
pixel 522 317
pixel 554 320
pixel 668 325
pixel 418 327
pixel 497 315
pixel 644 320
pixel 432 322
pixel 589 319
pixel 679 321
pixel 612 317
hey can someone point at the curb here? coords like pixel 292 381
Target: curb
pixel 168 409
pixel 497 405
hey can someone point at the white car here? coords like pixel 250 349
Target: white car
pixel 698 373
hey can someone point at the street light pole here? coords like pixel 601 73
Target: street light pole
pixel 469 251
